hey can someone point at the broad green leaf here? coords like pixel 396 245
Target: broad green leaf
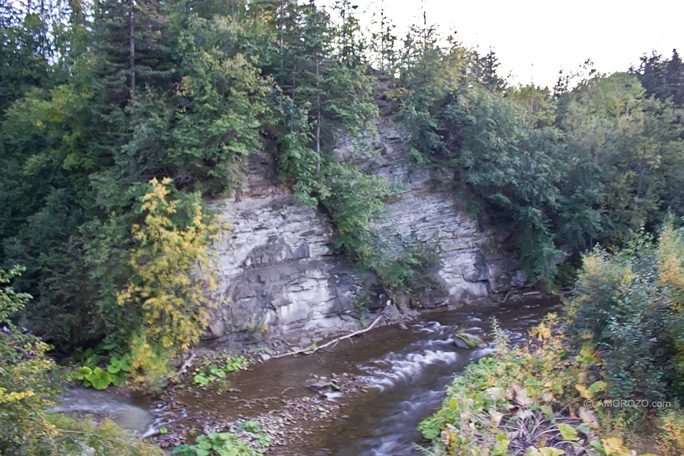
pixel 568 432
pixel 595 444
pixel 501 445
pixel 547 411
pixel 119 379
pixel 114 366
pixel 100 379
pixel 83 372
pixel 597 387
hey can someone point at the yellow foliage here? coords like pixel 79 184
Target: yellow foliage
pixel 173 276
pixel 14 396
pixel 671 269
pixel 615 446
pixel 671 436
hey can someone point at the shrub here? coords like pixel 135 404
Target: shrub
pixel 522 400
pixel 216 444
pixel 629 304
pixel 28 388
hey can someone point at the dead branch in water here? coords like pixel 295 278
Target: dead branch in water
pixel 183 368
pixel 307 351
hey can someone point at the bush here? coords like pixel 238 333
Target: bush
pixel 216 444
pixel 522 401
pixel 671 436
pixel 28 388
pixel 629 304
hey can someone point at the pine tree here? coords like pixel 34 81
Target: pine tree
pixel 129 47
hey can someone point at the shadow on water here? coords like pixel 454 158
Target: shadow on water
pixel 407 370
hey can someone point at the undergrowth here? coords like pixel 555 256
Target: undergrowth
pixel 536 400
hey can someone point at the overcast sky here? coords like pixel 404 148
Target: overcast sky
pixel 534 39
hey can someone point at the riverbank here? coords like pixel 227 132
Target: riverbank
pixel 535 400
pixel 338 401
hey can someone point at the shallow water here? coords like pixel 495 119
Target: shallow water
pixel 407 370
pixel 128 412
pixel 411 380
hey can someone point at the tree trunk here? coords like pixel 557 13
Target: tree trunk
pixel 282 38
pixel 131 42
pixel 318 119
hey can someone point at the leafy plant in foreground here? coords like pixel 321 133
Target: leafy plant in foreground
pixel 216 444
pixel 518 401
pixel 214 369
pixel 629 303
pixel 91 374
pixel 29 384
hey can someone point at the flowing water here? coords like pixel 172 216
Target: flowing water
pixel 405 372
pixel 128 412
pixel 411 380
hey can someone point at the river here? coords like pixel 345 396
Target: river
pixel 404 373
pixel 392 378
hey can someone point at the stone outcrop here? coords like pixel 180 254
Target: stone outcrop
pixel 476 259
pixel 281 280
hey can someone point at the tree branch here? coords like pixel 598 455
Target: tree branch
pixel 306 351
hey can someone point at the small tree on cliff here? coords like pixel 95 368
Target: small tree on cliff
pixel 171 274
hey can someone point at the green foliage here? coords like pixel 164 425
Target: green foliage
pixel 99 101
pixel 355 204
pixel 617 141
pixel 539 108
pixel 250 426
pixel 499 160
pixel 517 402
pixel 91 374
pixel 216 444
pixel 28 388
pixel 219 102
pixel 152 270
pixel 26 384
pixel 628 303
pixel 662 78
pixel 254 427
pixel 212 369
pixel 565 174
pixel 501 340
pixel 671 436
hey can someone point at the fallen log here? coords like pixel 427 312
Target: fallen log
pixel 183 368
pixel 308 351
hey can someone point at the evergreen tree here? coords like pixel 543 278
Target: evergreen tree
pixel 664 79
pixel 130 49
pixel 486 72
pixel 218 106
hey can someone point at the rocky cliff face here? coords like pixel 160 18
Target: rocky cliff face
pixel 476 259
pixel 281 281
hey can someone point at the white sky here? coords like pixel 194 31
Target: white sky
pixel 534 39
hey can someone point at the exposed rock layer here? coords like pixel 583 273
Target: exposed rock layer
pixel 281 280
